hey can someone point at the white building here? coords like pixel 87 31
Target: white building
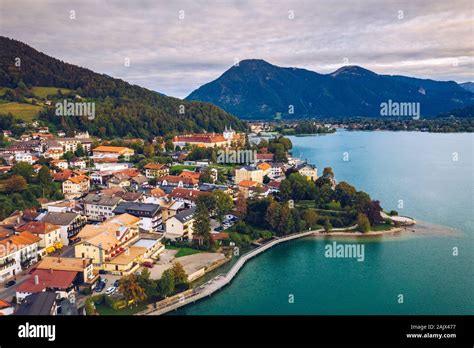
pixel 17 252
pixel 100 207
pixel 180 226
pixel 24 157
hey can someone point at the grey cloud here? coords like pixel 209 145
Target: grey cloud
pixel 176 56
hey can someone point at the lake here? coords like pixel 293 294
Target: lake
pixel 426 176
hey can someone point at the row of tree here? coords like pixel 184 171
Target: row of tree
pixel 140 287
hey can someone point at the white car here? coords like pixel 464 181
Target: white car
pixel 110 290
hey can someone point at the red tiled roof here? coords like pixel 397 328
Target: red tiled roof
pixel 187 193
pixel 156 166
pixel 248 183
pixel 47 279
pixel 176 179
pixel 38 227
pixel 200 138
pixel 264 156
pixel 78 179
pixel 274 183
pixel 188 174
pixel 131 172
pixel 20 241
pixel 62 176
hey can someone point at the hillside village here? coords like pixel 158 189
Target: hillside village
pixel 79 213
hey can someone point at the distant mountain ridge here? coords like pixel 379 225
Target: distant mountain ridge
pixel 122 109
pixel 256 89
pixel 468 86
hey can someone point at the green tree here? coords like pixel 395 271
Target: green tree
pixel 131 290
pixel 166 284
pixel 324 196
pixel 148 285
pixel 310 217
pixel 79 151
pixel 15 183
pixel 241 205
pixel 224 204
pixel 272 215
pixel 372 210
pixel 68 156
pixel 345 194
pixel 363 224
pixel 327 225
pixel 328 172
pixel 23 169
pixel 44 177
pixel 202 223
pixel 179 274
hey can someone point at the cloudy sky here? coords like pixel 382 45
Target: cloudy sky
pixel 176 46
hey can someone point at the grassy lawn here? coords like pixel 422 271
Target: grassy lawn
pixel 382 227
pixel 223 166
pixel 179 168
pixel 26 112
pixel 103 309
pixel 43 92
pixel 306 204
pixel 183 251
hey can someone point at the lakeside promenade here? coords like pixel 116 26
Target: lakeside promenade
pixel 218 282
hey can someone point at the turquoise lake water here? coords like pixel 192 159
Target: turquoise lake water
pixel 433 175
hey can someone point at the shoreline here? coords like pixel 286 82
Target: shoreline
pixel 222 280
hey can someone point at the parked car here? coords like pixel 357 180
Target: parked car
pixel 117 283
pixel 110 290
pixel 10 283
pixel 147 264
pixel 100 286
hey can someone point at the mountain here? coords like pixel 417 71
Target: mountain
pixel 256 89
pixel 468 86
pixel 465 112
pixel 121 109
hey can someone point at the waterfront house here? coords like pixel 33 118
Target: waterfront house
pixel 109 244
pixel 180 226
pixel 307 170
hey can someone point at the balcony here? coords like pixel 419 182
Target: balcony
pixel 7 264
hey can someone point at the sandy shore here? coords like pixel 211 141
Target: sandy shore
pixel 359 234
